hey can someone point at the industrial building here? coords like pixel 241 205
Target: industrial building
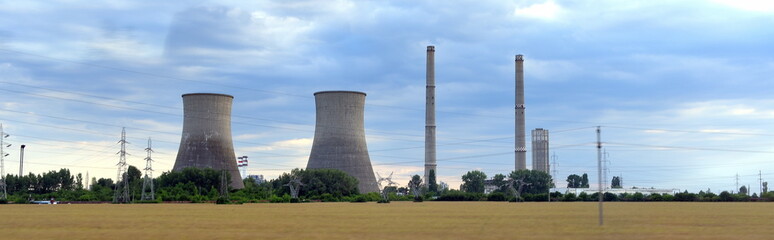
pixel 540 160
pixel 206 139
pixel 339 137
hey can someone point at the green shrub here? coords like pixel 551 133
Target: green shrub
pixel 540 197
pixel 278 199
pixel 496 196
pixel 359 199
pixel 569 197
pixel 667 198
pixel 610 197
pixel 222 200
pixel 327 197
pixel 455 195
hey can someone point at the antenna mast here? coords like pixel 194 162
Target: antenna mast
pixel 599 172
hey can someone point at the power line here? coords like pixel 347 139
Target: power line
pixel 691 131
pixel 688 148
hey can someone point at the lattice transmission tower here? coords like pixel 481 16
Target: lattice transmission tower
pixel 122 180
pixel 147 183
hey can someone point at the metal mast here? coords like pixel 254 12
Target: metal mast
pixel 3 190
pixel 599 172
pixel 521 149
pixel 430 163
pixel 122 186
pixel 147 183
pixel 760 184
pixel 242 163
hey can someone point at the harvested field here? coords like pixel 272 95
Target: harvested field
pixel 397 220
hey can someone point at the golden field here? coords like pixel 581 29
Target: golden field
pixel 397 220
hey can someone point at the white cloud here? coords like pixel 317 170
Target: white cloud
pixel 763 6
pixel 548 10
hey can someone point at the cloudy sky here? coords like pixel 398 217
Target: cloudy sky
pixel 681 89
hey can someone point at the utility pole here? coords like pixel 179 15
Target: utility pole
pixel 599 172
pixel 122 181
pixel 620 180
pixel 3 190
pixel 737 183
pixel 553 169
pixel 554 158
pixel 760 184
pixel 147 182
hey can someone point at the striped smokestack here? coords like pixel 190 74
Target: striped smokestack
pixel 430 116
pixel 521 149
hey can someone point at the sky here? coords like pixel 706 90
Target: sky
pixel 680 89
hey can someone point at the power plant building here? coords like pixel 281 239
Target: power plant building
pixel 206 140
pixel 540 160
pixel 521 149
pixel 339 137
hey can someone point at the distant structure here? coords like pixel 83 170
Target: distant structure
pixel 147 182
pixel 21 160
pixel 430 163
pixel 258 178
pixel 339 137
pixel 442 186
pixel 3 190
pixel 242 163
pixel 540 160
pixel 121 194
pixel 206 140
pixel 521 149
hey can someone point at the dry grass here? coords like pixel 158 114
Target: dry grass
pixel 404 220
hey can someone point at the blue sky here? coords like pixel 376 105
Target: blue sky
pixel 680 88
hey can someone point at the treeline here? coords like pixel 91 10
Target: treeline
pixel 188 185
pixel 725 196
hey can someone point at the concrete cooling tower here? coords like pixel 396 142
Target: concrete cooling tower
pixel 206 140
pixel 339 137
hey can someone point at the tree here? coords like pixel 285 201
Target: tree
pixel 79 181
pixel 616 182
pixel 765 187
pixel 585 181
pixel 574 181
pixel 432 186
pixel 415 184
pixel 743 190
pixel 725 196
pixel 473 181
pixel 317 182
pixel 535 182
pixel 499 181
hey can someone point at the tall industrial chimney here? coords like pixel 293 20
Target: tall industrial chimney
pixel 339 137
pixel 21 160
pixel 206 140
pixel 430 163
pixel 521 149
